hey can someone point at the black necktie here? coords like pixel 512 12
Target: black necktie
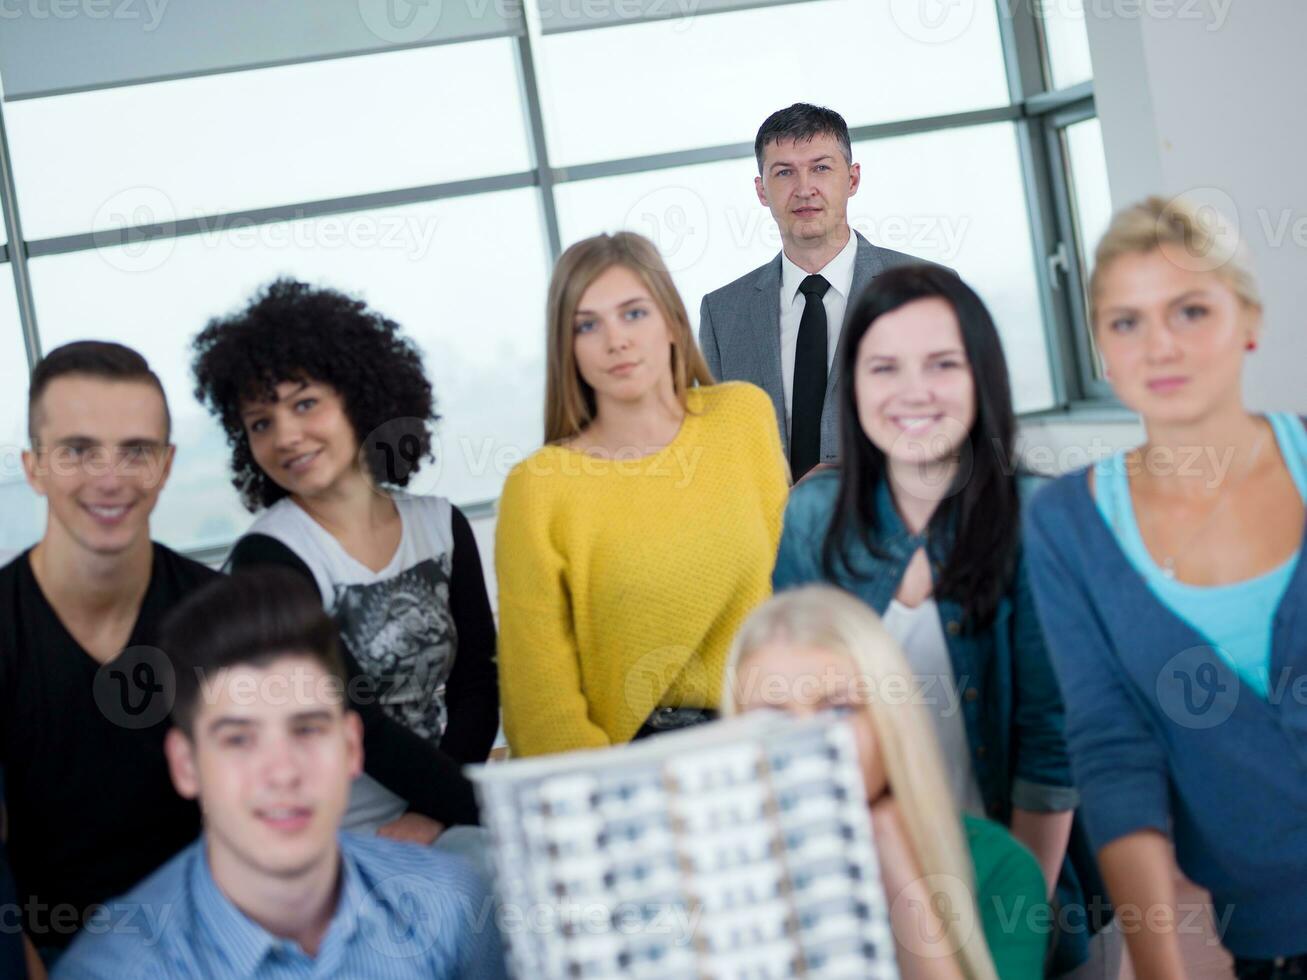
pixel 808 392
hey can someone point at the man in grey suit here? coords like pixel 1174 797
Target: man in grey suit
pixel 781 325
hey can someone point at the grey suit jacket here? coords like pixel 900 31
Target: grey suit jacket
pixel 740 334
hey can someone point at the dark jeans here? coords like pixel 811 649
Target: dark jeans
pixel 1284 966
pixel 670 719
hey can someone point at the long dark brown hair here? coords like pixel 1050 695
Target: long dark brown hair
pixel 980 513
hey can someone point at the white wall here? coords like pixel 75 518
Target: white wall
pixel 1206 97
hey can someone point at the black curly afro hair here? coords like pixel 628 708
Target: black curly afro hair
pixel 291 331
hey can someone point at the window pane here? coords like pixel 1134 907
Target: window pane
pixel 24 511
pixel 712 79
pixel 1066 42
pixel 231 142
pixel 468 289
pixel 1091 198
pixel 914 198
pixel 1090 193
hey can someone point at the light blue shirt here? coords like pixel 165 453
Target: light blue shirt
pixel 1236 619
pixel 404 912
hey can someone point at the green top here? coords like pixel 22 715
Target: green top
pixel 1012 899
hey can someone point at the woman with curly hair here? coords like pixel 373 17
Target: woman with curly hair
pixel 631 546
pixel 300 380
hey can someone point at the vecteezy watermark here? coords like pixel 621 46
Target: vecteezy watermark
pixel 647 680
pixel 939 236
pixel 148 12
pixel 933 21
pixel 419 912
pixel 137 688
pixel 943 21
pixel 1198 688
pixel 940 692
pixel 401 21
pixel 1195 691
pixel 136 231
pixel 675 219
pixel 41 919
pixel 409 21
pixel 1017 914
pixel 392 453
pixel 1216 239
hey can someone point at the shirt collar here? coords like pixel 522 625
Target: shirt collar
pixel 838 271
pixel 244 942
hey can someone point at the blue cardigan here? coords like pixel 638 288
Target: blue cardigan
pixel 1164 735
pixel 1011 705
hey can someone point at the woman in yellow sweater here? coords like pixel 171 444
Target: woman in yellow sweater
pixel 634 543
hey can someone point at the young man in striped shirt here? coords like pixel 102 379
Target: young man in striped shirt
pixel 264 740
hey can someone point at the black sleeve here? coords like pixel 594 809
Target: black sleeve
pixel 12 958
pixel 472 692
pixel 405 763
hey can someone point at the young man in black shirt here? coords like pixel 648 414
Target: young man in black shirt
pixel 84 696
pixel 84 693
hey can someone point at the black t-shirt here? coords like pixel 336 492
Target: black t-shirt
pixel 92 809
pixel 11 943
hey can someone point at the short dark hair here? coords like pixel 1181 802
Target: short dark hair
pixel 92 358
pixel 981 512
pixel 291 331
pixel 247 619
pixel 801 122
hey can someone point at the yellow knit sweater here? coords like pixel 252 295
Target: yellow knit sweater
pixel 622 581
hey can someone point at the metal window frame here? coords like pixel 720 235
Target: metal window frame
pixel 1038 114
pixel 1060 269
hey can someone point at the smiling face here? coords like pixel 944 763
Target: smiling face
pixel 270 758
pixel 807 185
pixel 621 340
pixel 302 440
pixel 1172 338
pixel 913 385
pixel 803 680
pixel 101 459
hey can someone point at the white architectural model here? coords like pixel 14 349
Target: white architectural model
pixel 740 850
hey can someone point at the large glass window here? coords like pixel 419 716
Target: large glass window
pixel 24 512
pixel 424 266
pixel 563 134
pixel 156 153
pixel 1066 43
pixel 1091 196
pixel 709 80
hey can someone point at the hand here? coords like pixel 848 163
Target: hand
pixel 412 828
pixel 898 862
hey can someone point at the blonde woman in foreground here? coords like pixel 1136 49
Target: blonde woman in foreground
pixel 631 547
pixel 967 900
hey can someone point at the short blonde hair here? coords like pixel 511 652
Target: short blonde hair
pixel 1205 236
pixel 826 618
pixel 569 401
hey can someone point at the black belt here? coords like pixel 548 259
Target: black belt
pixel 669 719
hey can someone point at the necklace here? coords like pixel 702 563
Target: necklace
pixel 1168 561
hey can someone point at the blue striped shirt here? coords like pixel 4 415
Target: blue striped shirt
pixel 404 912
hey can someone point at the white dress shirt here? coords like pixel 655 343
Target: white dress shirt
pixel 839 273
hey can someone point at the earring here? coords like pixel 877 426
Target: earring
pixel 1251 345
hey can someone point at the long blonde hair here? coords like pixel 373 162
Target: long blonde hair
pixel 1205 239
pixel 569 401
pixel 826 618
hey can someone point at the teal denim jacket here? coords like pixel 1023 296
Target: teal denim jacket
pixel 1010 700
